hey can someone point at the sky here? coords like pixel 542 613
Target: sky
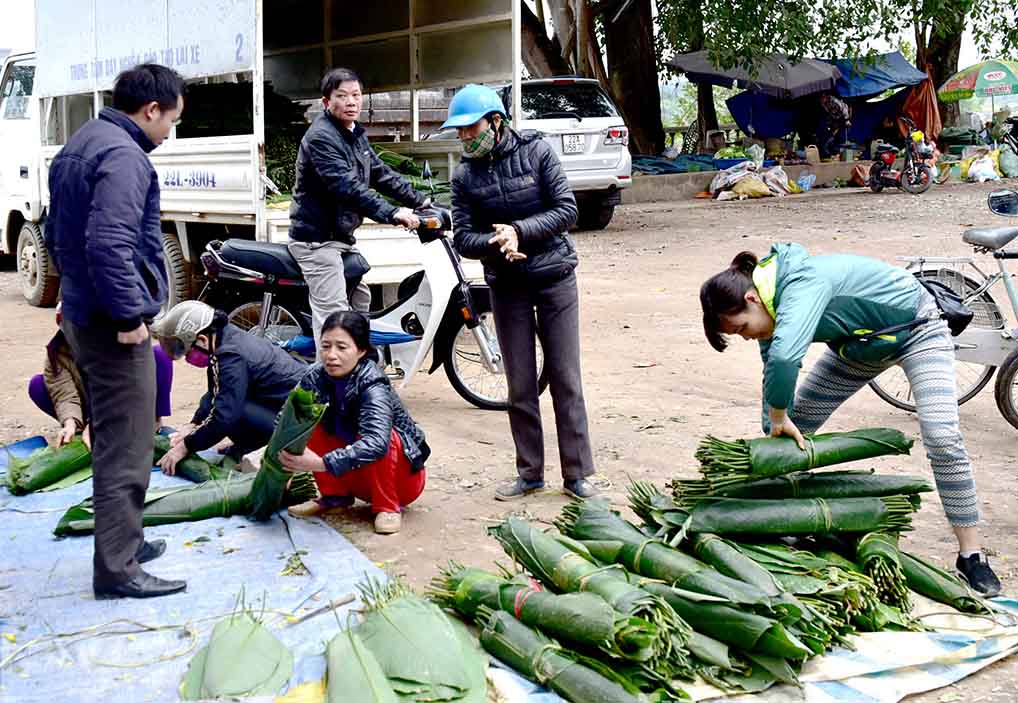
pixel 17 30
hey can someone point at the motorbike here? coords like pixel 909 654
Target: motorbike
pixel 915 177
pixel 262 289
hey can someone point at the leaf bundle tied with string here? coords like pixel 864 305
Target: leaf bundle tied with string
pixel 936 584
pixel 48 466
pixel 297 420
pixel 825 484
pixel 612 539
pixel 571 569
pixel 577 679
pixel 877 554
pixel 192 467
pixel 583 619
pixel 725 463
pixel 211 499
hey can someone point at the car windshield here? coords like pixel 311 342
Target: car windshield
pixel 566 100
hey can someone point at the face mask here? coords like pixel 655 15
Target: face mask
pixel 197 357
pixel 481 145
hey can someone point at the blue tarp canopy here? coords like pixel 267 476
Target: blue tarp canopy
pixel 863 78
pixel 762 116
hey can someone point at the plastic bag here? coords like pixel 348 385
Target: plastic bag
pixel 756 153
pixel 806 181
pixel 982 170
pixel 1008 162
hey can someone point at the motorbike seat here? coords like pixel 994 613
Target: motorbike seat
pixel 990 237
pixel 264 257
pixel 881 148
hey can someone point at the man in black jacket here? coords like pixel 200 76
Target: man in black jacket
pixel 336 170
pixel 104 236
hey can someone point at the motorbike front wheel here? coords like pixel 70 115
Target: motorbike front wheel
pixel 917 182
pixel 470 377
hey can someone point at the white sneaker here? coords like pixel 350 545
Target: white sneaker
pixel 388 523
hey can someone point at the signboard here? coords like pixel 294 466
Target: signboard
pixel 83 46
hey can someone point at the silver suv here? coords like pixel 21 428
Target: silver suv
pixel 581 123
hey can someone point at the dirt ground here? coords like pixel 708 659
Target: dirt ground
pixel 653 385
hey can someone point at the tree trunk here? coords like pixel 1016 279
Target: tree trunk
pixel 542 56
pixel 565 28
pixel 632 67
pixel 706 111
pixel 942 55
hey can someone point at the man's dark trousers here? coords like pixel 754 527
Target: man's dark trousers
pixel 552 314
pixel 120 384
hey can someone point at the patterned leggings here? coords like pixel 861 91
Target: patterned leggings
pixel 928 360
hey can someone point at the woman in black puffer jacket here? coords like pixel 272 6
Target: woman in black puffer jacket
pixel 512 208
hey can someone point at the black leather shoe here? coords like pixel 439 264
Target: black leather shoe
pixel 513 490
pixel 580 488
pixel 150 550
pixel 144 585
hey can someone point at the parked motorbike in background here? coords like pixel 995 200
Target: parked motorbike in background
pixel 262 289
pixel 915 176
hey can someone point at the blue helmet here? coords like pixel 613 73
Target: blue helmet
pixel 471 103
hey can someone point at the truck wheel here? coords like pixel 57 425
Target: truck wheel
pixel 40 283
pixel 178 271
pixel 595 215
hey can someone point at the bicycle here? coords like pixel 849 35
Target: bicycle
pixel 987 344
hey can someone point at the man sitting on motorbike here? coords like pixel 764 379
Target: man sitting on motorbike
pixel 249 379
pixel 366 446
pixel 336 171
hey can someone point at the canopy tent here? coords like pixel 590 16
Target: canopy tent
pixel 762 116
pixel 863 78
pixel 775 75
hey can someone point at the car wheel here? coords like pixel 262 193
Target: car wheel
pixel 40 283
pixel 595 215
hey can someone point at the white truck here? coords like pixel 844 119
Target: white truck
pixel 214 186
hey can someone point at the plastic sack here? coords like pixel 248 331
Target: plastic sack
pixel 806 181
pixel 756 153
pixel 777 180
pixel 1008 162
pixel 982 170
pixel 730 176
pixel 752 188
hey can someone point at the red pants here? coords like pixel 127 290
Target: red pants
pixel 388 484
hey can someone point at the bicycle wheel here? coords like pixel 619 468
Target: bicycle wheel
pixel 1005 390
pixel 892 385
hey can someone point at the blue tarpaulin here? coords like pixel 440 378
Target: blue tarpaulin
pixel 862 78
pixel 761 116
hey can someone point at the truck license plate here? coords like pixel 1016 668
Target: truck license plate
pixel 573 143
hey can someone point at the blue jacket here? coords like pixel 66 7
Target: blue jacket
pixel 103 228
pixel 834 299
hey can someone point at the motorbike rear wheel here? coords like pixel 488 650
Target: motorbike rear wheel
pixel 282 324
pixel 470 378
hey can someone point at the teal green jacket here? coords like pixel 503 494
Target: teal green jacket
pixel 833 298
